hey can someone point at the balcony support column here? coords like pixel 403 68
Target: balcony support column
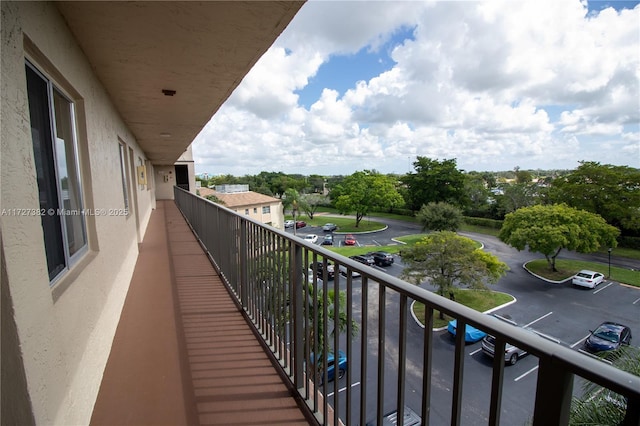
pixel 553 393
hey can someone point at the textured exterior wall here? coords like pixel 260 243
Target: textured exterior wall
pixel 64 332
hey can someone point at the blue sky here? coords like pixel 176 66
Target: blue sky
pixel 353 85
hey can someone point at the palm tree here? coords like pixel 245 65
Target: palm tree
pixel 600 406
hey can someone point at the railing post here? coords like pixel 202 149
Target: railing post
pixel 297 341
pixel 553 393
pixel 243 246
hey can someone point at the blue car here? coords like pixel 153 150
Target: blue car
pixel 331 366
pixel 607 337
pixel 471 334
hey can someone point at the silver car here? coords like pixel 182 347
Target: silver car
pixel 511 353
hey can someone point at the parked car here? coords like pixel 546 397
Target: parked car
pixel 349 240
pixel 333 363
pixel 327 240
pixel 300 224
pixel 607 337
pixel 344 271
pixel 382 258
pixel 586 278
pixel 511 353
pixel 318 267
pixel 471 334
pixel 311 238
pixel 329 227
pixel 289 223
pixel 363 258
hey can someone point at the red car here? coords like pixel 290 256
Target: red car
pixel 349 240
pixel 301 224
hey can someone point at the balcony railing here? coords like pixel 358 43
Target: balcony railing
pixel 292 308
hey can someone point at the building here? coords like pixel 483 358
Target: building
pixel 238 198
pixel 100 102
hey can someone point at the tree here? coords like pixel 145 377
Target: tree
pixel 476 187
pixel 451 260
pixel 434 181
pixel 215 199
pixel 312 202
pixel 440 217
pixel 517 195
pixel 612 192
pixel 600 406
pixel 362 191
pixel 550 228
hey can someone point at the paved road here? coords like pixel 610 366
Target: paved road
pixel 558 310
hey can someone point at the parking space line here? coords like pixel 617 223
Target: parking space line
pixel 636 301
pixel 342 389
pixel 578 342
pixel 600 289
pixel 526 374
pixel 536 320
pixel 475 352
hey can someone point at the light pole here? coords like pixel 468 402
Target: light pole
pixel 609 262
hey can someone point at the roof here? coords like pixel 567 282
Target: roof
pixel 169 66
pixel 240 199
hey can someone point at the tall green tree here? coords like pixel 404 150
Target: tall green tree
pixel 440 217
pixel 312 202
pixel 362 191
pixel 434 181
pixel 477 189
pixel 451 260
pixel 547 229
pixel 612 192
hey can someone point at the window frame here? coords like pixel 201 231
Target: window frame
pixel 54 88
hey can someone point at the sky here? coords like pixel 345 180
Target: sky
pixel 495 85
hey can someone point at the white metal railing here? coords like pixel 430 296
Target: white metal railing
pixel 268 272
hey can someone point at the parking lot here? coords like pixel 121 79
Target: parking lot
pixel 561 311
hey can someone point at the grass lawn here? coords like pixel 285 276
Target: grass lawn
pixel 345 224
pixel 480 300
pixel 568 268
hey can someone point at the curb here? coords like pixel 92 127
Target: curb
pixel 524 265
pixel 445 327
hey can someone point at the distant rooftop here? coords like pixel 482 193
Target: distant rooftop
pixel 231 189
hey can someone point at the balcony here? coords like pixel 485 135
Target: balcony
pixel 220 330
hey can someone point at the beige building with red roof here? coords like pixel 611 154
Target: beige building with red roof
pixel 238 198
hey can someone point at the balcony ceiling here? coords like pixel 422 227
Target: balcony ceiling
pixel 200 50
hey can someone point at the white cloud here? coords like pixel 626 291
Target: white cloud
pixel 537 84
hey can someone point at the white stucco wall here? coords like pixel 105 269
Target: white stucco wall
pixel 65 331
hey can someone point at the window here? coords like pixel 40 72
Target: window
pixel 255 210
pixel 123 173
pixel 266 209
pixel 56 159
pixel 246 211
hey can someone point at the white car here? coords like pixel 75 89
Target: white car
pixel 289 223
pixel 586 278
pixel 311 238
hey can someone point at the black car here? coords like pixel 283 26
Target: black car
pixel 364 259
pixel 327 240
pixel 381 258
pixel 318 267
pixel 607 337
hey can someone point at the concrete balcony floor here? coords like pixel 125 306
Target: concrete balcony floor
pixel 183 352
